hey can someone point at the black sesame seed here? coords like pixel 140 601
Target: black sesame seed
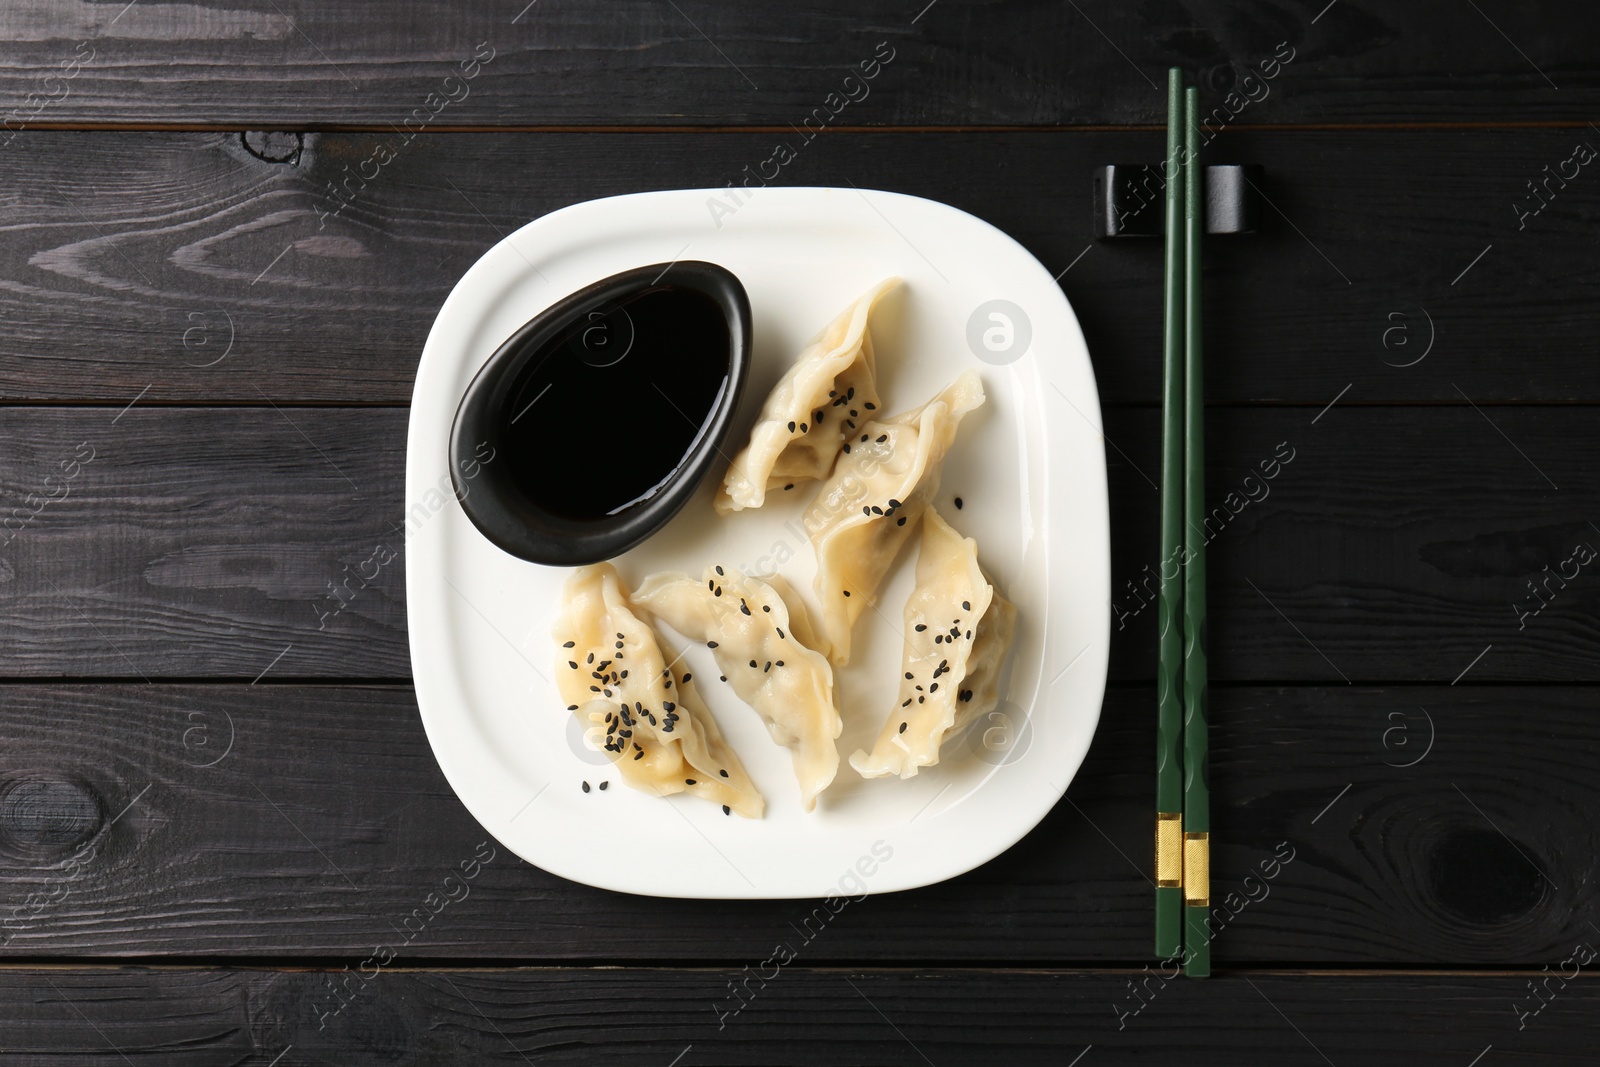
pixel 788 487
pixel 908 676
pixel 780 663
pixel 893 503
pixel 921 626
pixel 767 668
pixel 719 570
pixel 724 677
pixel 958 503
pixel 571 664
pixel 726 810
pixel 903 727
pixel 934 688
pixel 870 406
pixel 723 773
pixel 906 703
pixel 711 644
pixel 780 632
pixel 688 781
pixel 752 663
pixel 791 427
pixel 866 509
pixel 569 644
pixel 572 707
pixel 743 607
pixel 585 787
pixel 847 450
pixel 966 605
pixel 877 510
pixel 802 427
pixel 766 607
pixel 603 785
pixel 882 438
pixel 920 699
pixel 938 639
pixel 669 706
pixel 686 677
pixel 619 644
pixel 639 754
pixel 590 659
pixel 969 635
pixel 901 521
pixel 594 689
pixel 851 393
pixel 846 592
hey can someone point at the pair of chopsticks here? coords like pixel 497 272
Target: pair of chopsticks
pixel 1183 799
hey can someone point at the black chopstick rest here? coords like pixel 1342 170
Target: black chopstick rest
pixel 1128 199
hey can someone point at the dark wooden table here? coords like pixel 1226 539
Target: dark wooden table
pixel 226 230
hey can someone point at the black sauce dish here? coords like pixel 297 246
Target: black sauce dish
pixel 603 413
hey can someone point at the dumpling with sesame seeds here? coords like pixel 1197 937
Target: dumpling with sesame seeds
pixel 950 670
pixel 829 390
pixel 870 504
pixel 614 674
pixel 755 633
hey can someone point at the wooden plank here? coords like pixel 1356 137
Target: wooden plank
pixel 1398 544
pixel 797 1015
pixel 1395 544
pixel 1354 826
pixel 1413 270
pixel 635 62
pixel 149 542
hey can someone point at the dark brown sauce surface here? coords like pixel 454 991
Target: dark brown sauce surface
pixel 603 415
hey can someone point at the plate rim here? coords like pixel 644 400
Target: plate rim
pixel 428 676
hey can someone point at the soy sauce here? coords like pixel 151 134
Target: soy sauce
pixel 605 413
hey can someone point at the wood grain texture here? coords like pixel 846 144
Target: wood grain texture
pixel 801 1016
pixel 1402 266
pixel 1396 544
pixel 635 62
pixel 1353 826
pixel 1399 544
pixel 202 542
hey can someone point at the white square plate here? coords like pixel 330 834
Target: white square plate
pixel 1029 466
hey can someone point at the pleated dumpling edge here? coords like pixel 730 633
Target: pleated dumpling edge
pixel 824 395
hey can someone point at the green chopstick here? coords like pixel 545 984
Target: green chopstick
pixel 1196 739
pixel 1169 709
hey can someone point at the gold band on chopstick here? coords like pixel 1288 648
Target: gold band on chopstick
pixel 1169 850
pixel 1197 870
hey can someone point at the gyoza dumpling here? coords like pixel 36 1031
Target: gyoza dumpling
pixel 870 504
pixel 754 633
pixel 612 673
pixel 829 390
pixel 958 631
